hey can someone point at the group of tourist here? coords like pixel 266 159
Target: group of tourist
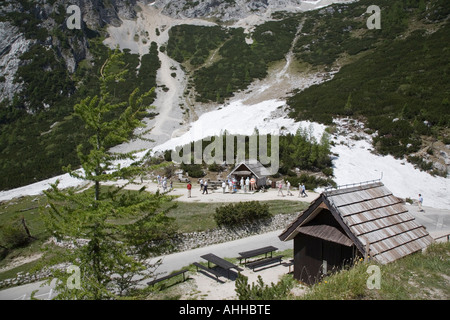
pixel 287 185
pixel 231 185
pixel 248 185
pixel 162 183
pixel 203 186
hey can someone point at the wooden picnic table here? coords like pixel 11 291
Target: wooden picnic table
pixel 256 252
pixel 224 264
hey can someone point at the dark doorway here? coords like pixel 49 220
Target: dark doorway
pixel 315 257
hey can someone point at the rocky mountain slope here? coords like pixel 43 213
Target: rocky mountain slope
pixel 13 44
pixel 230 10
pixel 45 68
pixel 24 23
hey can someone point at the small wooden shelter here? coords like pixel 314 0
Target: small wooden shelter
pixel 250 168
pixel 366 220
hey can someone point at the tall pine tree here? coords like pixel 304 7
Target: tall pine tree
pixel 110 230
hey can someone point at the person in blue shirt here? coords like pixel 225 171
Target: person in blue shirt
pixel 420 202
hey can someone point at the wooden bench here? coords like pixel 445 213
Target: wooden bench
pixel 264 262
pixel 168 277
pixel 212 271
pixel 214 185
pixel 256 252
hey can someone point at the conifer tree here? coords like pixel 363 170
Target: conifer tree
pixel 348 108
pixel 110 230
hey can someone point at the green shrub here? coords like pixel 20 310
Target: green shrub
pixel 310 182
pixel 26 135
pixel 214 167
pixel 420 163
pixel 13 235
pixel 193 170
pixel 328 172
pixel 241 213
pixel 261 291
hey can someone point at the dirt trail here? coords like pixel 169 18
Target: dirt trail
pixel 218 195
pixel 283 77
pixel 137 35
pixel 172 120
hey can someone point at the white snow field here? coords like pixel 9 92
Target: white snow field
pixel 357 163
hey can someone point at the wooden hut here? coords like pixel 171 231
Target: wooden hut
pixel 360 221
pixel 251 169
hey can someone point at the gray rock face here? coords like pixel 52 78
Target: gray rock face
pixel 96 14
pixel 230 9
pixel 12 45
pixel 223 10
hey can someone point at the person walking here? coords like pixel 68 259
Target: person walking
pixel 224 185
pixel 420 202
pixel 288 187
pixel 201 184
pixel 205 187
pixel 280 188
pixel 189 187
pixel 304 190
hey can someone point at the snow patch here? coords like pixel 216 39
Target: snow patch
pixel 356 162
pixel 240 119
pixel 66 181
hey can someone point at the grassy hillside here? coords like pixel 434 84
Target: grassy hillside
pixel 223 60
pixel 396 78
pixel 419 276
pixel 414 277
pixel 188 43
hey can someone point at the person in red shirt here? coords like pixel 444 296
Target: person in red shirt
pixel 189 187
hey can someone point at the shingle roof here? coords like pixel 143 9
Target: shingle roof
pixel 370 215
pixel 326 232
pixel 254 167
